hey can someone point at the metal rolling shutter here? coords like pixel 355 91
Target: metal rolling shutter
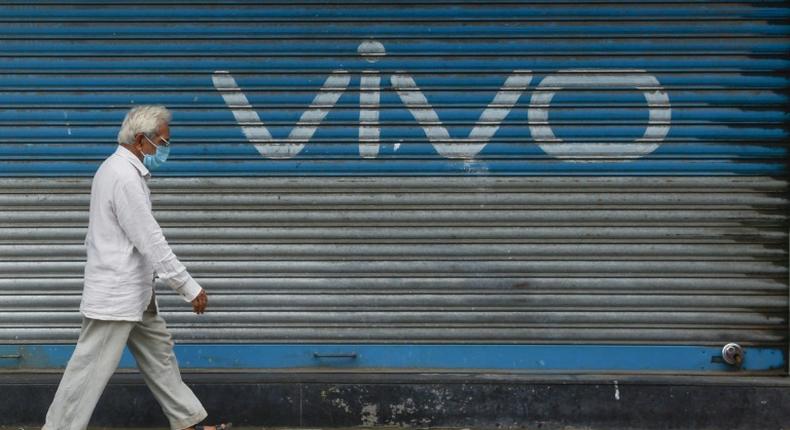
pixel 379 237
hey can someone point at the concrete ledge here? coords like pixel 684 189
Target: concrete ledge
pixel 340 399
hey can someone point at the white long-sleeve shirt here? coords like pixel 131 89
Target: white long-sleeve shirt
pixel 125 245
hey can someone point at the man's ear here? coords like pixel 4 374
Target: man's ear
pixel 138 139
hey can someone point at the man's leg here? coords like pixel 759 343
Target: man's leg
pixel 93 362
pixel 152 347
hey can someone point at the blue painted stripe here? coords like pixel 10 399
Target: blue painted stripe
pixel 353 62
pixel 298 101
pixel 363 29
pixel 411 132
pixel 405 167
pixel 220 152
pixel 637 358
pixel 396 47
pixel 315 79
pixel 393 12
pixel 452 117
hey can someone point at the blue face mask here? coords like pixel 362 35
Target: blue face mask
pixel 157 159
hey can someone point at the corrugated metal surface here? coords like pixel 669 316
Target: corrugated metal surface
pixel 482 172
pixel 712 73
pixel 525 260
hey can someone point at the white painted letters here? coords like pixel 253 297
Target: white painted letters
pixel 369 99
pixel 486 126
pixel 256 130
pixel 484 129
pixel 658 121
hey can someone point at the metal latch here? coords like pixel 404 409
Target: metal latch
pixel 732 354
pixel 11 356
pixel 352 355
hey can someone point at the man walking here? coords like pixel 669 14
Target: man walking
pixel 126 251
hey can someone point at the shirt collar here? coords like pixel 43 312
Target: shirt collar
pixel 128 156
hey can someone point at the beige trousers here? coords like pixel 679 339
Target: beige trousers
pixel 96 358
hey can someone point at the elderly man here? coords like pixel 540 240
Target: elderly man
pixel 126 251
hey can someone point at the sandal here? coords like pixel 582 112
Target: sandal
pixel 224 426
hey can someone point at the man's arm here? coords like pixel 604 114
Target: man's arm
pixel 139 224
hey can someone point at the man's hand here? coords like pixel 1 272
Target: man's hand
pixel 200 302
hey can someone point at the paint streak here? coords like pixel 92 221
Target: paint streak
pixel 370 415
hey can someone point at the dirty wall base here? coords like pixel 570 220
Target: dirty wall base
pixel 424 400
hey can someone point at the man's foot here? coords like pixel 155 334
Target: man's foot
pixel 224 426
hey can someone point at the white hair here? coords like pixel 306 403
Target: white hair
pixel 143 119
